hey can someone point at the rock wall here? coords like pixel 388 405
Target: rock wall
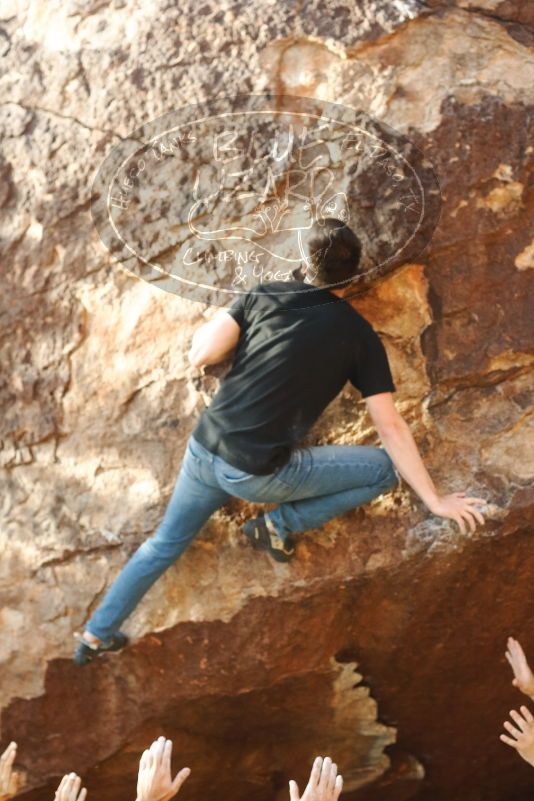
pixel 250 662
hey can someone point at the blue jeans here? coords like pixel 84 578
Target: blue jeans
pixel 317 484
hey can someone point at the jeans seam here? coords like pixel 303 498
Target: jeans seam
pixel 319 466
pixel 314 466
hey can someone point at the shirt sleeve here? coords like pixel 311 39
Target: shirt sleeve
pixel 237 308
pixel 371 372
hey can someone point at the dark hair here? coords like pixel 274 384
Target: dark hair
pixel 334 251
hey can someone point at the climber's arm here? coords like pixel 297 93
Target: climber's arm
pixel 214 341
pixel 400 446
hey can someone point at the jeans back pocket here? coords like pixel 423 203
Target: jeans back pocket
pixel 231 474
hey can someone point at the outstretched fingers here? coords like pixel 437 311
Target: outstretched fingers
pixel 144 761
pixel 523 677
pixel 332 779
pixel 74 788
pixel 8 757
pixel 294 794
pixel 513 731
pixel 166 755
pixel 69 789
pixel 324 779
pixel 515 653
pixel 509 741
pixel 62 783
pixel 158 750
pixel 519 720
pixel 334 785
pixel 6 767
pixel 324 783
pixel 180 778
pixel 330 783
pixel 63 791
pixel 315 775
pixel 521 734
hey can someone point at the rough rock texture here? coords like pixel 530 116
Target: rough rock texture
pixel 245 661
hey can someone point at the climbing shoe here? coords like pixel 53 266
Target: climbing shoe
pixel 86 651
pixel 257 532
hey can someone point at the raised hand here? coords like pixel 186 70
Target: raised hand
pixel 324 783
pixel 69 789
pixel 522 738
pixel 459 508
pixel 523 676
pixel 155 781
pixel 7 776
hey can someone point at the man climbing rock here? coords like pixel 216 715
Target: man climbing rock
pixel 295 344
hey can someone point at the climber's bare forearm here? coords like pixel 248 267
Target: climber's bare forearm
pixel 398 441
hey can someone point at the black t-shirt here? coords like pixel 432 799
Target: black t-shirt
pixel 298 347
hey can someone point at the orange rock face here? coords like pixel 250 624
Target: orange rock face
pixel 383 643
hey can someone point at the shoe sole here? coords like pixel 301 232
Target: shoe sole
pixel 250 531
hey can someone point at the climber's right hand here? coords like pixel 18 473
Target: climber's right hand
pixel 324 783
pixel 459 508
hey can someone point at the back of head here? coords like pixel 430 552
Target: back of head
pixel 334 252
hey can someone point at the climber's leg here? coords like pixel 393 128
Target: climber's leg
pixel 194 499
pixel 308 513
pixel 315 485
pixel 326 481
